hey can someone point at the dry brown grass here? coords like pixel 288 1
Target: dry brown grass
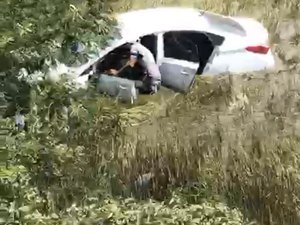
pixel 248 153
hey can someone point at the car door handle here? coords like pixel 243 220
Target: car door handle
pixel 183 72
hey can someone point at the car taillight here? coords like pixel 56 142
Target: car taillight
pixel 258 49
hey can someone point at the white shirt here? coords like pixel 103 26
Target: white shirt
pixel 145 52
pixel 148 59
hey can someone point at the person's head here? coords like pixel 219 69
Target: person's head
pixel 133 56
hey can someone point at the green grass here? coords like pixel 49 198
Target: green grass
pixel 3 134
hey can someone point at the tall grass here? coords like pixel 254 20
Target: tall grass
pixel 240 138
pixel 249 155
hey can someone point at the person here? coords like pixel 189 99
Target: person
pixel 141 68
pixel 132 70
pixel 153 75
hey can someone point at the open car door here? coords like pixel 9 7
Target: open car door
pixel 178 64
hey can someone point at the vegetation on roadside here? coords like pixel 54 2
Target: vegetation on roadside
pixel 226 153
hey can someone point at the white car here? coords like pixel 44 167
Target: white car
pixel 207 44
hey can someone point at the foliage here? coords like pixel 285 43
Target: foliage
pixel 35 34
pixel 32 31
pixel 27 210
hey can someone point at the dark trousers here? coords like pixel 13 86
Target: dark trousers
pixel 147 86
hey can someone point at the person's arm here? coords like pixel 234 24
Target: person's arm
pixel 117 72
pixel 113 72
pixel 143 68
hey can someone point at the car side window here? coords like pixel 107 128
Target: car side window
pixel 150 42
pixel 179 45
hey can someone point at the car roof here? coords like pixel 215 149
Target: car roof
pixel 137 23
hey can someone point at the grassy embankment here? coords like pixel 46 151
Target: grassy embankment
pixel 244 137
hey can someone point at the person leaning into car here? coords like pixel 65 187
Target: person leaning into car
pixel 141 69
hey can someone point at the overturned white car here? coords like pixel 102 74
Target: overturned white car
pixel 185 42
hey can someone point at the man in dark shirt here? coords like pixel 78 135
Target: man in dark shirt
pixel 132 70
pixel 135 69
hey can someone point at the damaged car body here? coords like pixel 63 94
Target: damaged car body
pixel 185 42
